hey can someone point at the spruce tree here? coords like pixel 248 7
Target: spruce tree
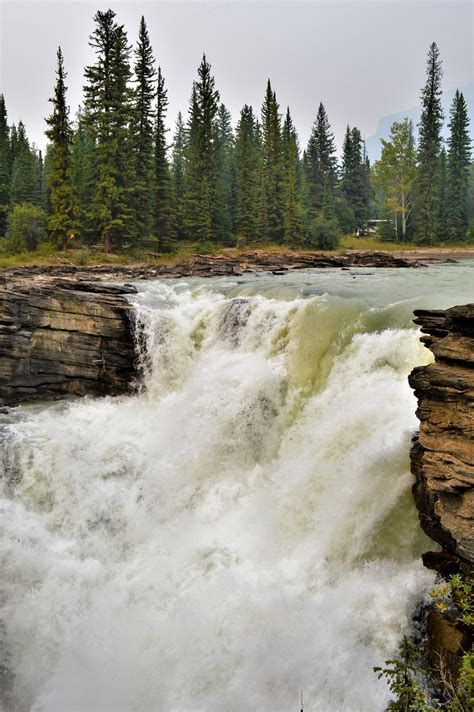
pixel 355 176
pixel 458 168
pixel 321 166
pixel 201 157
pixel 142 135
pixel 178 175
pixel 107 102
pixel 247 176
pixel 293 223
pixel 63 220
pixel 272 170
pixel 429 149
pixel 84 174
pixel 4 166
pixel 293 214
pixel 442 197
pixel 225 177
pixel 25 178
pixel 164 227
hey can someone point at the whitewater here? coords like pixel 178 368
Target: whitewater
pixel 242 528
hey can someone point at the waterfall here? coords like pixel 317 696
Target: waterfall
pixel 240 530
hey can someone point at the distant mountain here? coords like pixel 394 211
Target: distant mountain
pixel 383 127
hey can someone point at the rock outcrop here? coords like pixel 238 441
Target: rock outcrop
pixel 63 337
pixel 442 456
pixel 226 264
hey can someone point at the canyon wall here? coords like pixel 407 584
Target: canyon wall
pixel 442 455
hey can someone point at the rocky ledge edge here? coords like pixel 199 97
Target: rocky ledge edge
pixel 62 337
pixel 227 264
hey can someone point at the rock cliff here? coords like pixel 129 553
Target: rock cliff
pixel 61 337
pixel 442 456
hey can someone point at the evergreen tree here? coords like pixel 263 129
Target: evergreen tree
pixel 142 134
pixel 247 175
pixel 107 101
pixel 164 217
pixel 321 166
pixel 25 178
pixel 442 198
pixel 84 174
pixel 63 221
pixel 429 149
pixel 178 174
pixel 201 157
pixel 395 174
pixel 225 179
pixel 355 175
pixel 5 166
pixel 272 170
pixel 458 167
pixel 293 223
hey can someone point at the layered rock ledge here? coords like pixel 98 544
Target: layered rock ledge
pixel 442 456
pixel 63 337
pixel 228 264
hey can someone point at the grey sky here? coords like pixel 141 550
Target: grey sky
pixel 362 59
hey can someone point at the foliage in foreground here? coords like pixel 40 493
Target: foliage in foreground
pixel 405 672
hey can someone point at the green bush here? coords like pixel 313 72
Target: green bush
pixel 26 227
pixel 324 234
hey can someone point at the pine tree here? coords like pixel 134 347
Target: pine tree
pixel 107 104
pixel 84 174
pixel 25 178
pixel 442 197
pixel 355 175
pixel 247 161
pixel 225 178
pixel 272 170
pixel 143 135
pixel 458 167
pixel 5 166
pixel 321 166
pixel 178 175
pixel 201 157
pixel 63 221
pixel 429 149
pixel 164 226
pixel 293 223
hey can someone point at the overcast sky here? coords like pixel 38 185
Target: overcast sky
pixel 363 60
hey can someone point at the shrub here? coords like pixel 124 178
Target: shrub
pixel 26 227
pixel 324 234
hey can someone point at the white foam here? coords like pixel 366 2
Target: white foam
pixel 238 532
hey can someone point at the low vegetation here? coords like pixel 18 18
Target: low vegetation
pixel 408 677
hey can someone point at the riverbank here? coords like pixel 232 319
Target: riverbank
pixel 232 262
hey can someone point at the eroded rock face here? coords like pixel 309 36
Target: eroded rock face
pixel 442 456
pixel 61 337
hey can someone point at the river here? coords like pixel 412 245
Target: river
pixel 242 529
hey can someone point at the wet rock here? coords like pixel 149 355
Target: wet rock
pixel 442 455
pixel 448 641
pixel 64 337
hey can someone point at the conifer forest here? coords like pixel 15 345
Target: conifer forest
pixel 114 176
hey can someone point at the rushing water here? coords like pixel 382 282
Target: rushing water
pixel 241 530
